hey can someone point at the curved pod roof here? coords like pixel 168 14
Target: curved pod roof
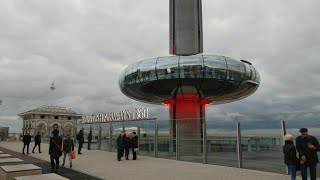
pixel 216 78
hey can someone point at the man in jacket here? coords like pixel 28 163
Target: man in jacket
pixel 134 143
pixel 26 141
pixel 307 146
pixel 55 150
pixel 80 138
pixel 37 141
pixel 89 140
pixel 120 145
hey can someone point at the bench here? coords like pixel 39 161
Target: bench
pixel 50 176
pixel 12 171
pixel 10 161
pixel 5 155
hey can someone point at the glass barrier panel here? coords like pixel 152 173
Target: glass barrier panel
pixel 166 141
pixel 262 142
pixel 147 132
pixel 221 141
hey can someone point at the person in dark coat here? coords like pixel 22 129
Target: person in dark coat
pixel 134 145
pixel 290 157
pixel 37 142
pixel 307 146
pixel 26 141
pixel 68 146
pixel 127 146
pixel 55 150
pixel 120 145
pixel 89 140
pixel 80 139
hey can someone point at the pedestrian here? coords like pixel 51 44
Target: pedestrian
pixel 134 143
pixel 307 146
pixel 80 139
pixel 26 141
pixel 55 150
pixel 89 140
pixel 68 146
pixel 290 157
pixel 120 145
pixel 37 142
pixel 127 146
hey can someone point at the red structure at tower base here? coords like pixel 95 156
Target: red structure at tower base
pixel 187 113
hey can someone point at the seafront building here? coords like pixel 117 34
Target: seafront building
pixel 45 119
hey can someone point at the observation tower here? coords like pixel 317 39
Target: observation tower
pixel 188 80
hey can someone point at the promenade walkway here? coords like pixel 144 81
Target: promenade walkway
pixel 102 164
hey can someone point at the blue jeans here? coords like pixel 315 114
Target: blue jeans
pixel 293 172
pixel 313 171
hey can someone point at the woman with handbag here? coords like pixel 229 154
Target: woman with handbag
pixel 290 157
pixel 68 147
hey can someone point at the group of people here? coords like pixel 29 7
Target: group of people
pixel 26 142
pixel 307 147
pixel 125 143
pixel 57 148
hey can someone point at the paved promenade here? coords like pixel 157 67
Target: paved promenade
pixel 104 165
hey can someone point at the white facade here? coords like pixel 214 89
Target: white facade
pixel 45 119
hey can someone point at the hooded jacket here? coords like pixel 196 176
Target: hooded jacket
pixel 289 151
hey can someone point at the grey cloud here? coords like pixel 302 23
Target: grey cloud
pixel 84 45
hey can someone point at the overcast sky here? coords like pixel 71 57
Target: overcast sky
pixel 83 46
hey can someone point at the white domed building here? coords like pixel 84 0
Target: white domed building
pixel 45 119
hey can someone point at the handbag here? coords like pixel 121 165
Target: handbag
pixel 73 154
pixel 135 149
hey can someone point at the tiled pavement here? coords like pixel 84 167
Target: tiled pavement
pixel 104 165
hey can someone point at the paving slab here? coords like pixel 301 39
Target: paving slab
pixel 50 176
pixel 11 171
pixel 10 161
pixel 5 155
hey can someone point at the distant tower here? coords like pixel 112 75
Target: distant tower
pixel 52 88
pixel 189 81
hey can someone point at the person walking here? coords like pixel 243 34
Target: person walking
pixel 307 146
pixel 80 139
pixel 120 145
pixel 134 143
pixel 68 146
pixel 55 150
pixel 37 142
pixel 290 157
pixel 26 141
pixel 89 140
